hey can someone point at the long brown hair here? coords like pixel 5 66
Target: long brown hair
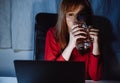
pixel 62 34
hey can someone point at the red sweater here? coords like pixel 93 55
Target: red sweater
pixel 53 53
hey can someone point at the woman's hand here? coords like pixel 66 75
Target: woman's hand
pixel 76 33
pixel 95 39
pixel 93 33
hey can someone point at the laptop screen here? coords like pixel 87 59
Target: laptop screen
pixel 28 71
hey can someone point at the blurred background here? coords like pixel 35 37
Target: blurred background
pixel 17 24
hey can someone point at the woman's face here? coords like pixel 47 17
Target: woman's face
pixel 71 17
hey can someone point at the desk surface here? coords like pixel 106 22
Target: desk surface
pixel 8 80
pixel 14 80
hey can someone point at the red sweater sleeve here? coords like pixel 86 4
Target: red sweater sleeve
pixel 52 48
pixel 95 67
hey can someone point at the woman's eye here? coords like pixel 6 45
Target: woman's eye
pixel 71 14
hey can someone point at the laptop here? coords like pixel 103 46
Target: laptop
pixel 29 71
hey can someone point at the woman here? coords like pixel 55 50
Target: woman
pixel 62 40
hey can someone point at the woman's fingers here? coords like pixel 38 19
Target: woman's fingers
pixel 79 32
pixel 93 30
pixel 80 37
pixel 93 33
pixel 82 33
pixel 76 28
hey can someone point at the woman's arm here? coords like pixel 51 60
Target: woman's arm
pixel 53 51
pixel 95 63
pixel 95 39
pixel 95 67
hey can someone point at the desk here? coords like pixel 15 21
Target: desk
pixel 101 81
pixel 8 80
pixel 14 80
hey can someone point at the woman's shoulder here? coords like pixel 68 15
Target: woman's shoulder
pixel 51 34
pixel 51 30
